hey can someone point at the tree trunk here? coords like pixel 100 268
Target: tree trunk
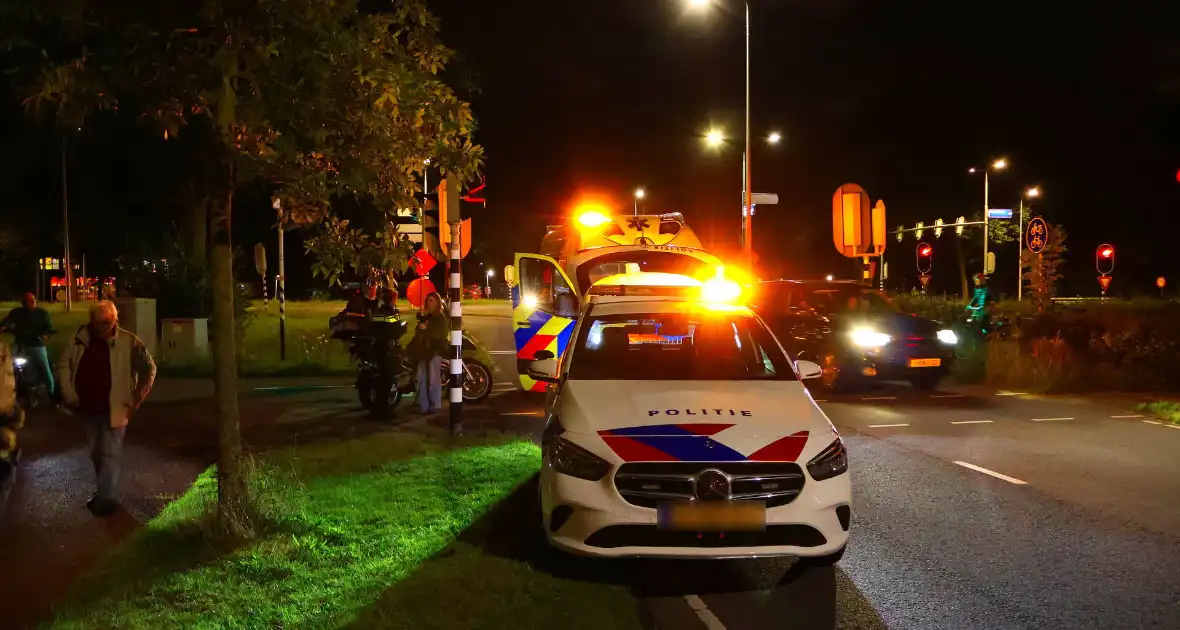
pixel 231 483
pixel 962 268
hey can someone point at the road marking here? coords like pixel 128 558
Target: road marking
pixel 885 426
pixel 993 473
pixel 972 421
pixel 298 387
pixel 946 395
pixel 880 398
pixel 1049 419
pixel 706 616
pixel 1130 416
pixel 501 352
pixel 524 413
pixel 1172 426
pixel 1152 422
pixel 1012 393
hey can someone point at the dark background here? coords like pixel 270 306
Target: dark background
pixel 612 94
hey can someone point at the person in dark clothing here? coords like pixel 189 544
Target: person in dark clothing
pixel 388 304
pixel 428 347
pixel 365 301
pixel 105 375
pixel 30 327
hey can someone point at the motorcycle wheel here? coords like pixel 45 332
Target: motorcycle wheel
pixel 378 398
pixel 477 381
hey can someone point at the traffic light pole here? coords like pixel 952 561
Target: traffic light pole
pixel 456 363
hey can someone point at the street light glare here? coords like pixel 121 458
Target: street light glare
pixel 698 4
pixel 774 137
pixel 971 170
pixel 1000 165
pixel 714 138
pixel 640 193
pixel 491 272
pixel 1033 192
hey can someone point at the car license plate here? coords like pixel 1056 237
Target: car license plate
pixel 924 362
pixel 712 516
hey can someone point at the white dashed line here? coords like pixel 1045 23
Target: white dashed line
pixel 993 473
pixel 946 395
pixel 1130 416
pixel 972 421
pixel 885 426
pixel 1049 419
pixel 1152 422
pixel 1012 393
pixel 1172 426
pixel 706 616
pixel 880 398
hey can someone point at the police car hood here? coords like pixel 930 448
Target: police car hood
pixel 697 420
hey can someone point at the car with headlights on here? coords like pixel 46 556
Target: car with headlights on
pixel 678 427
pixel 856 333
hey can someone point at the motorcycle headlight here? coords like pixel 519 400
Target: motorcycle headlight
pixel 869 338
pixel 948 337
pixel 831 462
pixel 20 361
pixel 570 459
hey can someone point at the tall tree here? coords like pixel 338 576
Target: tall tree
pixel 1042 271
pixel 311 99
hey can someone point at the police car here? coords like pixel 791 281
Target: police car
pixel 677 426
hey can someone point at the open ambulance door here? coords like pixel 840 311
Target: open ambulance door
pixel 544 309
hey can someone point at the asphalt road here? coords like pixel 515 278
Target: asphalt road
pixel 972 509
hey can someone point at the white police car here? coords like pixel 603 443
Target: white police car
pixel 679 427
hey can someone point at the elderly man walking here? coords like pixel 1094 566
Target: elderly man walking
pixel 104 375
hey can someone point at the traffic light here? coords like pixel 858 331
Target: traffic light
pixel 925 254
pixel 1104 259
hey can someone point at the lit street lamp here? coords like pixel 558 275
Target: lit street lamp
pixel 714 138
pixel 747 195
pixel 639 194
pixel 487 287
pixel 774 137
pixel 998 165
pixel 1031 193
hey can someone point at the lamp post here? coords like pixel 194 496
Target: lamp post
pixel 747 191
pixel 1031 192
pixel 998 165
pixel 713 139
pixel 639 194
pixel 487 287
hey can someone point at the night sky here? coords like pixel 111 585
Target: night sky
pixel 900 97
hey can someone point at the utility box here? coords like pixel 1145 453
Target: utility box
pixel 184 339
pixel 138 315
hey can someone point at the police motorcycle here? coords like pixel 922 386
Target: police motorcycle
pixel 385 371
pixel 32 390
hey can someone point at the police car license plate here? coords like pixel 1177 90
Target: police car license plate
pixel 712 516
pixel 924 362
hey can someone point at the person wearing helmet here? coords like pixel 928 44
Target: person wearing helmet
pixel 365 300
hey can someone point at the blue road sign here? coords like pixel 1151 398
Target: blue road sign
pixel 1036 235
pixel 999 213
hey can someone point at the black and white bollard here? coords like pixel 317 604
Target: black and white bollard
pixel 455 294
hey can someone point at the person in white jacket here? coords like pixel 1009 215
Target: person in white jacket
pixel 104 375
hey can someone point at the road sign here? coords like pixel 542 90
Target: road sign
pixel 418 290
pixel 1104 282
pixel 1161 282
pixel 924 278
pixel 852 222
pixel 990 268
pixel 999 213
pixel 260 258
pixel 1037 235
pixel 764 199
pixel 878 216
pixel 938 228
pixel 422 262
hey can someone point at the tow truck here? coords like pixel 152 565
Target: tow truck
pixel 549 288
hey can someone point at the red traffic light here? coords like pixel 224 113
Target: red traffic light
pixel 1106 252
pixel 925 250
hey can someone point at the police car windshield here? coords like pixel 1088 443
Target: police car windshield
pixel 677 347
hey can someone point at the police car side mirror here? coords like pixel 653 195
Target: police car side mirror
pixel 543 370
pixel 808 370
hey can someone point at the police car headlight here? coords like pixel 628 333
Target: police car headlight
pixel 570 459
pixel 20 361
pixel 868 338
pixel 831 462
pixel 948 337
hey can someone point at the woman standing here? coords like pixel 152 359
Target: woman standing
pixel 429 346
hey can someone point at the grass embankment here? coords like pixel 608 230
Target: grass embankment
pixel 392 531
pixel 310 349
pixel 1165 410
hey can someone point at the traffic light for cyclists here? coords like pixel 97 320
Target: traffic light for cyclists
pixel 1104 259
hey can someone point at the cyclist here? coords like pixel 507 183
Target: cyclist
pixel 30 327
pixel 979 310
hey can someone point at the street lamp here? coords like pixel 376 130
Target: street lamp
pixel 487 287
pixel 998 165
pixel 714 138
pixel 639 194
pixel 747 196
pixel 1030 193
pixel 774 137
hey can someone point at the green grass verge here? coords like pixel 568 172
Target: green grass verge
pixel 363 535
pixel 1165 410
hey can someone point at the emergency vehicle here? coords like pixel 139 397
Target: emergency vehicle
pixel 679 427
pixel 548 288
